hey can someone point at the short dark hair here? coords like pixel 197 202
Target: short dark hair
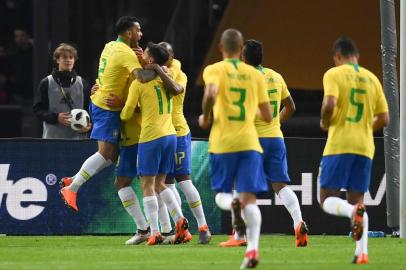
pixel 232 40
pixel 345 46
pixel 252 52
pixel 159 53
pixel 124 23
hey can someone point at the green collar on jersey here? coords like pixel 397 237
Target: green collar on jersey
pixel 234 61
pixel 119 39
pixel 260 68
pixel 356 66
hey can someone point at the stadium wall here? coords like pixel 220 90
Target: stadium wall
pixel 30 203
pixel 298 36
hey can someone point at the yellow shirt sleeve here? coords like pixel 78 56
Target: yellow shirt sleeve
pixel 131 102
pixel 381 103
pixel 330 85
pixel 285 91
pixel 262 92
pixel 182 79
pixel 210 75
pixel 129 60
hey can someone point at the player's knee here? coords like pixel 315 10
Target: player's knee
pixel 277 187
pixel 119 183
pixel 160 186
pixel 183 177
pixel 170 180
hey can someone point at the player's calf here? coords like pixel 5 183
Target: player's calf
pixel 237 220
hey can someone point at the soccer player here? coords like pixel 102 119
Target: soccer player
pixel 183 157
pixel 118 64
pixel 157 145
pixel 271 139
pixel 126 169
pixel 354 106
pixel 234 91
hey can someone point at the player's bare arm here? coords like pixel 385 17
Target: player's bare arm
pixel 144 75
pixel 173 87
pixel 289 108
pixel 380 121
pixel 327 109
pixel 265 112
pixel 209 98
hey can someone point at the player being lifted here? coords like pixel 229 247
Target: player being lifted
pixel 183 157
pixel 234 91
pixel 271 139
pixel 354 106
pixel 118 63
pixel 157 145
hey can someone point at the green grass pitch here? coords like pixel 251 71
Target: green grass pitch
pixel 109 252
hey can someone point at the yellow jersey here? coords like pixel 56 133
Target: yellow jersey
pixel 178 118
pixel 240 89
pixel 155 103
pixel 131 130
pixel 359 98
pixel 117 61
pixel 277 91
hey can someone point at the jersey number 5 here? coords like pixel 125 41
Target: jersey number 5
pixel 274 103
pixel 160 101
pixel 359 105
pixel 239 103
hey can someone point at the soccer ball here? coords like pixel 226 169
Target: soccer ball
pixel 80 119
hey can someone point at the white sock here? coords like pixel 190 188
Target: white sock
pixel 171 203
pixel 151 212
pixel 224 200
pixel 361 246
pixel 338 207
pixel 175 193
pixel 289 199
pixel 131 204
pixel 193 199
pixel 252 218
pixel 90 167
pixel 163 216
pixel 105 165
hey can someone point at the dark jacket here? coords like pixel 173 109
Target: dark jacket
pixel 41 102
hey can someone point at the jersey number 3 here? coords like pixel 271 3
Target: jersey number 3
pixel 239 103
pixel 357 104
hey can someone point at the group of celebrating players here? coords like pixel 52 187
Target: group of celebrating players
pixel 140 94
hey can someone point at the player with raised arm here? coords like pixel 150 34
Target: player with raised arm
pixel 354 106
pixel 157 145
pixel 118 64
pixel 234 91
pixel 271 139
pixel 183 157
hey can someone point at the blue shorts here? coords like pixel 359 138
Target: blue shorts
pixel 106 124
pixel 274 158
pixel 345 171
pixel 240 170
pixel 157 156
pixel 127 162
pixel 183 156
